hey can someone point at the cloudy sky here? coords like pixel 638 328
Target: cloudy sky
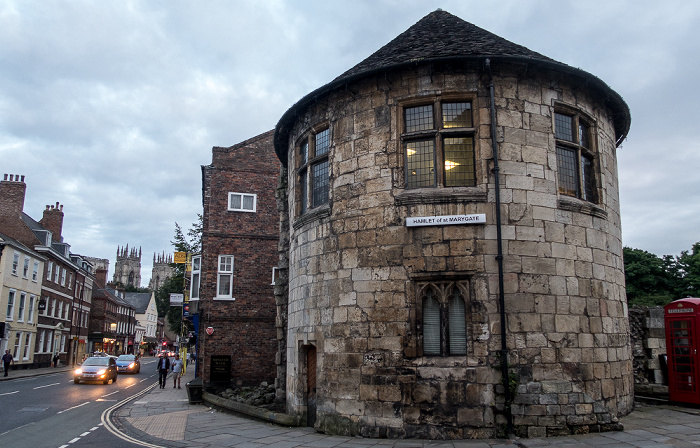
pixel 111 107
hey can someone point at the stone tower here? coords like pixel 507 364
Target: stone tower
pixel 161 270
pixel 127 269
pixel 451 226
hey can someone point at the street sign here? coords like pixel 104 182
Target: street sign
pixel 176 299
pixel 180 257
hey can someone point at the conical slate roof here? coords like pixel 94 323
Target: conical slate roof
pixel 441 36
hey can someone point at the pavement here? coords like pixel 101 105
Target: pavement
pixel 165 418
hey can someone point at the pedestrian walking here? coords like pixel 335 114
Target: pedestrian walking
pixel 7 359
pixel 177 371
pixel 55 360
pixel 162 369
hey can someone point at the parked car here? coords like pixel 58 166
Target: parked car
pixel 128 364
pixel 96 368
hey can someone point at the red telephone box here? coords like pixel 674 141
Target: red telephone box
pixel 682 321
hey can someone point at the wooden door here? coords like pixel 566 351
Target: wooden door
pixel 311 386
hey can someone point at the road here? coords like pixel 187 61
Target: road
pixel 50 411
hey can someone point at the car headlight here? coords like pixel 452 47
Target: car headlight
pixel 132 365
pixel 101 372
pixel 78 371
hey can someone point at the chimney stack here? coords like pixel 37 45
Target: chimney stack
pixel 12 193
pixel 53 221
pixel 101 277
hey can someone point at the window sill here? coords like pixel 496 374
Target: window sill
pixel 230 299
pixel 439 195
pixel 320 212
pixel 580 206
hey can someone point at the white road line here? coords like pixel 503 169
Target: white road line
pixel 61 412
pixel 10 393
pixel 48 385
pixel 74 440
pixel 63 446
pixel 106 415
pixel 130 385
pixel 94 428
pixel 111 393
pixel 84 434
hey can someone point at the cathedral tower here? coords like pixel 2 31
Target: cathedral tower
pixel 127 270
pixel 161 270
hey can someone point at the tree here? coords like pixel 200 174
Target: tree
pixel 192 244
pixel 689 265
pixel 650 280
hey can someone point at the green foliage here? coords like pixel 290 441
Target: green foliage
pixel 175 284
pixel 653 280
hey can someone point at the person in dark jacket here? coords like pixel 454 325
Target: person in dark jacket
pixel 162 369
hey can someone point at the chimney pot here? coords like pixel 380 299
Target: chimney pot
pixel 5 176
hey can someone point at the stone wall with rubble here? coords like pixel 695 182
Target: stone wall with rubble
pixel 355 270
pixel 648 343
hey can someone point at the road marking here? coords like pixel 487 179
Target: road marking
pixel 61 412
pixel 111 393
pixel 94 428
pixel 130 385
pixel 74 440
pixel 106 419
pixel 84 434
pixel 10 393
pixel 48 385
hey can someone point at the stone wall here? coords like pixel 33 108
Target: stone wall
pixel 356 271
pixel 648 342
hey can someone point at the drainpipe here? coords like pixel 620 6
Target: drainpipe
pixel 499 257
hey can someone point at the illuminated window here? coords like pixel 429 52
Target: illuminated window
pixel 313 170
pixel 576 160
pixel 15 263
pixel 439 145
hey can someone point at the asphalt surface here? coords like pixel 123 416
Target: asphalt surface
pixel 165 418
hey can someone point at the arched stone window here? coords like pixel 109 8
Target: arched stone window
pixel 443 318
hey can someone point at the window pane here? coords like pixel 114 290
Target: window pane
pixel 224 285
pixel 419 118
pixel 458 326
pixel 431 326
pixel 319 192
pixel 236 201
pixel 248 202
pixel 304 149
pixel 459 162
pixel 567 171
pixel 195 286
pixel 588 179
pixel 322 142
pixel 303 191
pixel 457 115
pixel 584 136
pixel 420 160
pixel 564 127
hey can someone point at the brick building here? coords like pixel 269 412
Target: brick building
pixel 64 275
pixel 235 295
pixel 451 219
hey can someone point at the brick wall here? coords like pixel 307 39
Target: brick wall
pixel 244 328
